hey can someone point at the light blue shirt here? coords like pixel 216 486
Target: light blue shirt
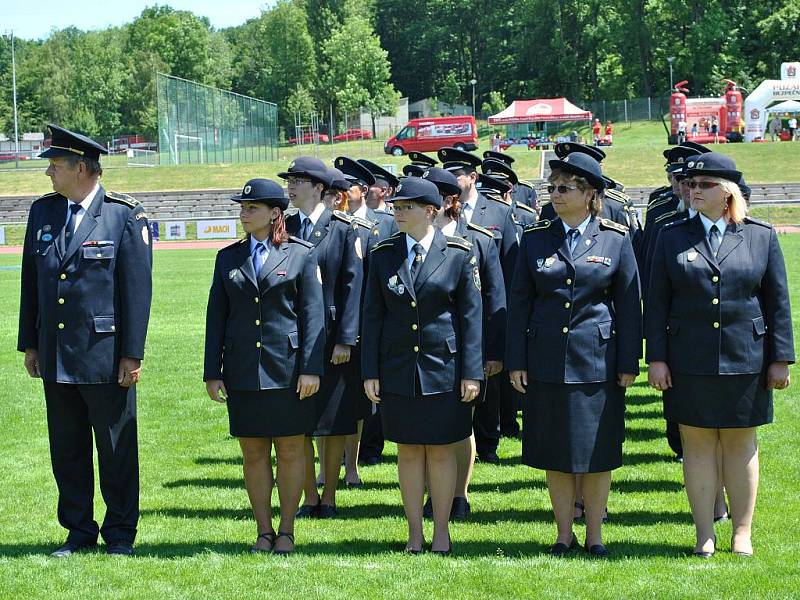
pixel 581 228
pixel 260 258
pixel 721 224
pixel 424 242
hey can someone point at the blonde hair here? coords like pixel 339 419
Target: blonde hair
pixel 595 202
pixel 736 204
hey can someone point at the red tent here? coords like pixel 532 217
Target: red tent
pixel 537 111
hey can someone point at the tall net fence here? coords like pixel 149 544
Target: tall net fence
pixel 200 124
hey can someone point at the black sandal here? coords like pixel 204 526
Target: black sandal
pixel 290 537
pixel 270 537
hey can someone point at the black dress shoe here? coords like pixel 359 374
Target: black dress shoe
pixel 597 550
pixel 489 457
pixel 460 509
pixel 120 549
pixel 354 484
pixel 427 509
pixel 70 548
pixel 559 549
pixel 326 511
pixel 447 552
pixel 308 511
pixel 702 554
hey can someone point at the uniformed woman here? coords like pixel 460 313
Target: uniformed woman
pixel 264 352
pixel 493 296
pixel 421 356
pixel 719 340
pixel 573 345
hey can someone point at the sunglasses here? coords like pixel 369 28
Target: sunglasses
pixel 562 189
pixel 703 185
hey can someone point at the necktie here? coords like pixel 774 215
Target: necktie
pixel 572 236
pixel 258 257
pixel 417 262
pixel 69 226
pixel 305 232
pixel 714 239
pixel 466 210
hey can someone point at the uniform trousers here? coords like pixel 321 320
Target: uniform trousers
pixel 74 411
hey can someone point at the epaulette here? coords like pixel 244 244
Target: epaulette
pixel 622 197
pixel 544 224
pixel 613 200
pixel 483 230
pixel 658 191
pixel 387 243
pixel 51 195
pixel 750 219
pixel 629 208
pixel 356 221
pixel 395 234
pixel 342 216
pixel 525 207
pixel 458 242
pixel 657 202
pixel 666 215
pixel 680 221
pixel 233 245
pixel 527 184
pixel 122 199
pixel 301 241
pixel 497 198
pixel 609 224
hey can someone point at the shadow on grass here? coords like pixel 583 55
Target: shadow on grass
pixel 645 414
pixel 647 458
pixel 643 434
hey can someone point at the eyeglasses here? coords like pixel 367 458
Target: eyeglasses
pixel 562 189
pixel 703 185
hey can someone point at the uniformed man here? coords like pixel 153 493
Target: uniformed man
pixel 497 217
pixel 523 214
pixel 381 190
pixel 419 163
pixel 84 310
pixel 523 192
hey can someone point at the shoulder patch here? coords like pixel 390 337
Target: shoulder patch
pixel 609 224
pixel 302 242
pixel 525 208
pixel 342 216
pixel 482 230
pixel 458 242
pixel 538 226
pixel 755 221
pixel 122 199
pixel 666 215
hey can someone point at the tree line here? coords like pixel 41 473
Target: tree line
pixel 313 55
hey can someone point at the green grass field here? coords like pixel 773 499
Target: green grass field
pixel 635 159
pixel 196 525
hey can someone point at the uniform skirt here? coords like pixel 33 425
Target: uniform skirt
pixel 270 413
pixel 719 401
pixel 336 409
pixel 434 419
pixel 354 386
pixel 573 427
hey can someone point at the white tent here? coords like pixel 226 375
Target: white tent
pixel 790 106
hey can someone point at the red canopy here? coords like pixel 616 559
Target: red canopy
pixel 536 111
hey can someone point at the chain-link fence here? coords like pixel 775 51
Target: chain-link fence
pixel 201 124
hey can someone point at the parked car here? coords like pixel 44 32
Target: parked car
pixel 429 135
pixel 353 134
pixel 7 156
pixel 308 138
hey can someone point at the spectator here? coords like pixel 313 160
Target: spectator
pixel 596 131
pixel 774 127
pixel 792 127
pixel 694 130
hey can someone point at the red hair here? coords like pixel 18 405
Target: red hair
pixel 453 208
pixel 278 233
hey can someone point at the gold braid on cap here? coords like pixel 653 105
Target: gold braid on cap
pixel 75 150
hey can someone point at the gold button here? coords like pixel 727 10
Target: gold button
pixel 569 281
pixel 716 325
pixel 61 326
pixel 413 304
pixel 715 301
pixel 61 301
pixel 416 348
pixel 414 327
pixel 255 299
pixel 715 278
pixel 567 305
pixel 565 330
pixel 258 322
pixel 258 344
pixel 63 276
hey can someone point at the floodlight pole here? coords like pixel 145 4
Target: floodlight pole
pixel 14 88
pixel 472 82
pixel 669 60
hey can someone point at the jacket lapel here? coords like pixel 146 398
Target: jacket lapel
pixel 58 225
pixel 245 261
pixel 293 225
pixel 434 258
pixel 730 240
pixel 590 236
pixel 561 242
pixel 403 272
pixel 698 239
pixel 275 258
pixel 88 223
pixel 320 228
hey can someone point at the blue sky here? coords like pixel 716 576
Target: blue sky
pixel 35 19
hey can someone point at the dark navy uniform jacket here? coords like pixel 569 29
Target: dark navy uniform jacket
pixel 498 218
pixel 262 332
pixel 723 315
pixel 524 194
pixel 574 317
pixel 667 202
pixel 431 334
pixel 342 271
pixel 493 292
pixel 85 309
pixel 613 210
pixel 523 214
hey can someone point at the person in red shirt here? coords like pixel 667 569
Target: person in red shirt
pixel 609 132
pixel 596 131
